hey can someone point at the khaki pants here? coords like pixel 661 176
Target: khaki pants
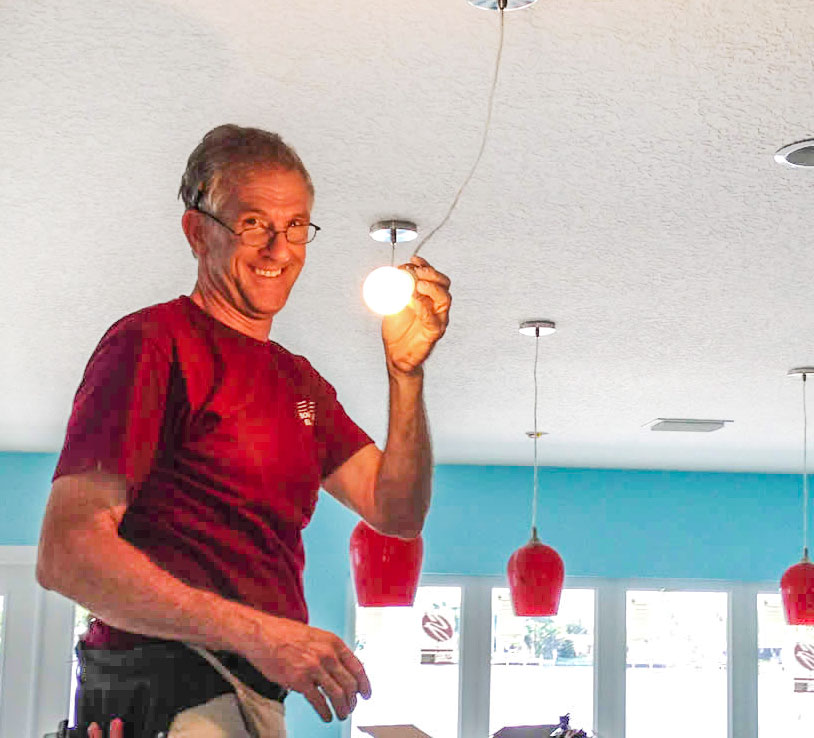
pixel 243 714
pixel 221 718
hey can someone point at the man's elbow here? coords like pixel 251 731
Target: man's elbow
pixel 401 526
pixel 50 570
pixel 43 573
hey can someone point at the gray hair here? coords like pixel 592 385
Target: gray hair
pixel 228 150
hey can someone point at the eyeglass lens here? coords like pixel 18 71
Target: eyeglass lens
pixel 297 234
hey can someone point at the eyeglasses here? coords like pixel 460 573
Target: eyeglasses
pixel 261 236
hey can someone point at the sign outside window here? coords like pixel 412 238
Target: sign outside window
pixel 439 637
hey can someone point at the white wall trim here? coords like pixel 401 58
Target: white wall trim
pixel 18 555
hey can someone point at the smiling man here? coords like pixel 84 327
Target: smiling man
pixel 192 461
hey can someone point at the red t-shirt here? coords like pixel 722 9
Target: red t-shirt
pixel 223 440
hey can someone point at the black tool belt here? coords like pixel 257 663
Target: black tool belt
pixel 149 685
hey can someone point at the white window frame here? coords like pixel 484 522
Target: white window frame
pixel 610 644
pixel 38 635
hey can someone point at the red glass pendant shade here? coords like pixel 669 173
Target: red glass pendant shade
pixel 536 574
pixel 797 588
pixel 385 568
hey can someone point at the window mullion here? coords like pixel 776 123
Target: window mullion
pixel 610 659
pixel 475 659
pixel 742 671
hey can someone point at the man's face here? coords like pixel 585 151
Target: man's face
pixel 257 281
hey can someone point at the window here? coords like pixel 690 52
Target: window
pixel 411 655
pixel 80 625
pixel 785 671
pixel 542 667
pixel 676 664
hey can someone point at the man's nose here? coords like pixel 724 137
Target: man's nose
pixel 277 244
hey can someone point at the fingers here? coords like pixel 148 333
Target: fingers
pixel 421 269
pixel 342 677
pixel 330 681
pixel 318 702
pixel 315 663
pixel 432 284
pixel 339 679
pixel 425 310
pixel 337 684
pixel 441 299
pixel 354 666
pixel 94 731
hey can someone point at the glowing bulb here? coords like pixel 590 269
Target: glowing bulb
pixel 387 290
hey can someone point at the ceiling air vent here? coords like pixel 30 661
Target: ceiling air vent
pixel 686 425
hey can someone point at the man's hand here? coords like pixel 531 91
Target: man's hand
pixel 409 336
pixel 311 661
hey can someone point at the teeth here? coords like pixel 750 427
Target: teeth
pixel 268 272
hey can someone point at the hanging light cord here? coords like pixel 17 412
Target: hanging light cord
pixel 486 128
pixel 805 473
pixel 534 495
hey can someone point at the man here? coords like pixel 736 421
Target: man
pixel 193 458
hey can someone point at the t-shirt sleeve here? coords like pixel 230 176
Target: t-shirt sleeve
pixel 338 437
pixel 118 411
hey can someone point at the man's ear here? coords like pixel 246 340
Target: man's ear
pixel 193 226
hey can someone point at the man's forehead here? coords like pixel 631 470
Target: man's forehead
pixel 252 191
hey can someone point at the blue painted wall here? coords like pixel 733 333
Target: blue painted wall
pixel 25 480
pixel 605 523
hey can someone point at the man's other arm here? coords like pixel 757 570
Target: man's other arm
pixel 82 556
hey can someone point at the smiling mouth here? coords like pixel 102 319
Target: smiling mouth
pixel 269 273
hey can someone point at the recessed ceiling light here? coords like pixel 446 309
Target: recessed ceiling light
pixel 686 425
pixel 798 155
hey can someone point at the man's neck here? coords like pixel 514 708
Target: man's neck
pixel 221 311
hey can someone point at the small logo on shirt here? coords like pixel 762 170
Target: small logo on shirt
pixel 307 411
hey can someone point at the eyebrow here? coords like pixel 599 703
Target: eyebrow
pixel 247 211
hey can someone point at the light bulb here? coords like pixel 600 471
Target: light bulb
pixel 387 290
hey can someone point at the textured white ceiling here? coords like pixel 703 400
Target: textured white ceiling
pixel 627 191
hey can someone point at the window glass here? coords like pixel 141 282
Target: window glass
pixel 542 667
pixel 411 656
pixel 676 664
pixel 80 625
pixel 785 671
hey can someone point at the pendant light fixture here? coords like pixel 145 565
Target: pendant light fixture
pixel 385 569
pixel 502 4
pixel 536 571
pixel 797 584
pixel 387 290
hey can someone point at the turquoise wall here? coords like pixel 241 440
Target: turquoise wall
pixel 25 480
pixel 604 523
